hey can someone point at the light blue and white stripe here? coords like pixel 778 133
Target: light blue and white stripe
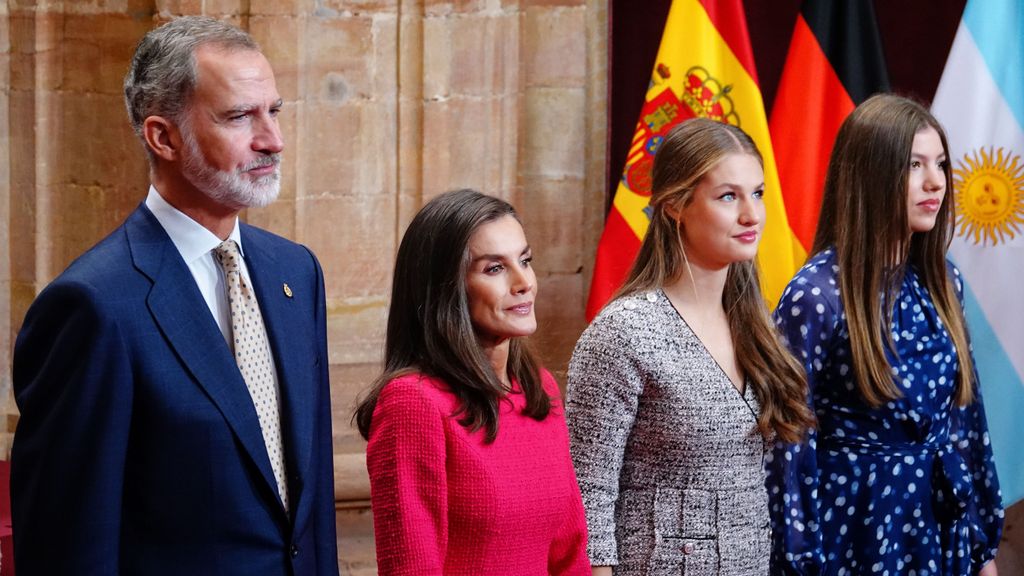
pixel 980 102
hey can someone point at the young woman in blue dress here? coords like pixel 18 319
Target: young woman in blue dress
pixel 898 477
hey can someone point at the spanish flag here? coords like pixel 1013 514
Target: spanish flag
pixel 835 62
pixel 705 68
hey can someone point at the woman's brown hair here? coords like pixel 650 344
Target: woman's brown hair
pixel 864 218
pixel 429 327
pixel 687 154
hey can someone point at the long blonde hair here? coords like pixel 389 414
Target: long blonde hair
pixel 864 217
pixel 687 154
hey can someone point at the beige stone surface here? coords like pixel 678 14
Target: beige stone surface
pixel 556 56
pixel 466 144
pixel 484 59
pixel 290 8
pixel 282 38
pixel 456 7
pixel 167 9
pixel 6 328
pixel 356 555
pixel 339 69
pixel 595 116
pixel 559 322
pixel 331 7
pixel 554 232
pixel 95 51
pixel 555 133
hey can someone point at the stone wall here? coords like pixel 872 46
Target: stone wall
pixel 387 103
pixel 6 330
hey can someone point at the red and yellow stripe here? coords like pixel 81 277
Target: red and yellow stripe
pixel 711 35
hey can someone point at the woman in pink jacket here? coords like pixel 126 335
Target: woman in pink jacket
pixel 468 451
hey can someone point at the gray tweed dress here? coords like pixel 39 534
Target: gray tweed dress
pixel 666 450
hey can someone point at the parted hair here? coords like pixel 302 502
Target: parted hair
pixel 864 218
pixel 688 152
pixel 163 73
pixel 429 328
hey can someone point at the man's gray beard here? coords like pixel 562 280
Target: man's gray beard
pixel 230 188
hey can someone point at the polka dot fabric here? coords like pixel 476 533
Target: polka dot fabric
pixel 252 353
pixel 908 488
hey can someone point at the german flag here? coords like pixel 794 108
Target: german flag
pixel 705 68
pixel 835 62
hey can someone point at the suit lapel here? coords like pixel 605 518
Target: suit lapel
pixel 289 329
pixel 180 311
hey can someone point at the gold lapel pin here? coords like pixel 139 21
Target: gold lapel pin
pixel 287 290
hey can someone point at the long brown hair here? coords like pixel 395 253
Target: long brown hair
pixel 687 154
pixel 429 327
pixel 864 217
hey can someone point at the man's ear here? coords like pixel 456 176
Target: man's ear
pixel 163 137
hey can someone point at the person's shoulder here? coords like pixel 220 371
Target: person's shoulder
pixel 283 249
pixel 629 320
pixel 629 312
pixel 262 235
pixel 105 268
pixel 550 384
pixel 954 275
pixel 821 266
pixel 416 390
pixel 817 277
pixel 267 238
pixel 813 290
pixel 99 289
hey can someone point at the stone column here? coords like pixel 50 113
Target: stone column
pixel 562 153
pixel 6 331
pixel 75 170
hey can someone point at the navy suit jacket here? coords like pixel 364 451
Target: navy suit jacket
pixel 138 449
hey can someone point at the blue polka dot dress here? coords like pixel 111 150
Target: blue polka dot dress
pixel 908 488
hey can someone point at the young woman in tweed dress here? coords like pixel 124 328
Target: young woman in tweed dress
pixel 678 386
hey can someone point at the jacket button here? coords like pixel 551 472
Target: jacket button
pixel 295 550
pixel 688 548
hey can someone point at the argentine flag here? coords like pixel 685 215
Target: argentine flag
pixel 980 102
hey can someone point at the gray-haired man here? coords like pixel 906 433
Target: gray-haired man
pixel 172 382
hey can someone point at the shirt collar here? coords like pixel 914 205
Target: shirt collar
pixel 191 239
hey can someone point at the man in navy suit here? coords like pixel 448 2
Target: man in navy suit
pixel 145 444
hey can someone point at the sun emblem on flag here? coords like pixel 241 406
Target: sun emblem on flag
pixel 989 196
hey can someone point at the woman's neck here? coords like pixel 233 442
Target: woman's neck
pixel 697 288
pixel 697 297
pixel 497 354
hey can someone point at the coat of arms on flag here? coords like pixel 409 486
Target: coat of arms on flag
pixel 705 68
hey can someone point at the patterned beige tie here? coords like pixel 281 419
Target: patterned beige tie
pixel 252 353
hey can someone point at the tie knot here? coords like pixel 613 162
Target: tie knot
pixel 228 256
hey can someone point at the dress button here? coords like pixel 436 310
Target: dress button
pixel 652 297
pixel 688 548
pixel 295 550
